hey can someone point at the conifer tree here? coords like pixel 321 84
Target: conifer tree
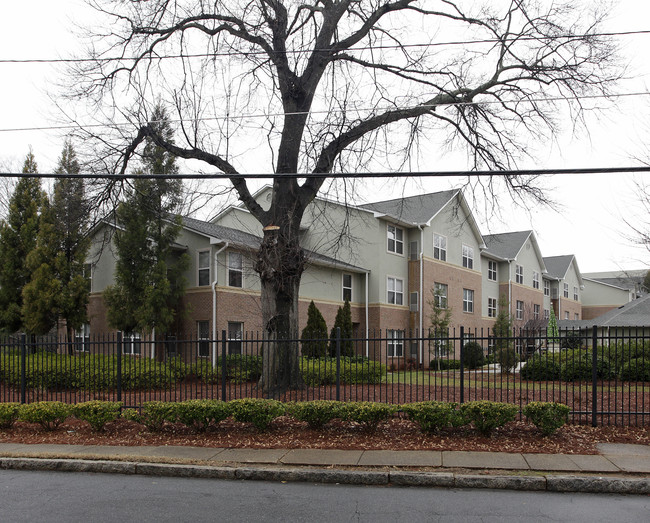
pixel 58 288
pixel 502 328
pixel 17 239
pixel 149 282
pixel 314 335
pixel 343 321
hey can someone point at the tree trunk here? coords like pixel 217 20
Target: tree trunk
pixel 280 264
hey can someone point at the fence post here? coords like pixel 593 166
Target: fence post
pixel 338 363
pixel 462 370
pixel 119 366
pixel 594 376
pixel 223 365
pixel 23 370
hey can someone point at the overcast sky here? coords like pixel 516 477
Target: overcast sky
pixel 589 221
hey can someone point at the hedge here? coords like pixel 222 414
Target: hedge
pixel 317 372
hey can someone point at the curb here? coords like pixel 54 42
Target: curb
pixel 549 482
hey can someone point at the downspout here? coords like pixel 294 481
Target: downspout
pixel 367 326
pixel 421 304
pixel 510 288
pixel 153 343
pixel 214 306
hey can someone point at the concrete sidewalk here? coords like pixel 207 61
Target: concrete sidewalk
pixel 627 466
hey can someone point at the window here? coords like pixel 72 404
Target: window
pixel 347 287
pixel 468 300
pixel 203 338
pixel 547 314
pixel 203 276
pixel 566 315
pixel 547 288
pixel 566 290
pixel 575 294
pixel 395 343
pixel 492 307
pixel 535 280
pixel 395 240
pixel 235 335
pixel 576 316
pixel 88 274
pixel 519 314
pixel 519 274
pixel 395 291
pixel 235 272
pixel 131 343
pixel 440 291
pixel 82 339
pixel 536 309
pixel 468 257
pixel 439 247
pixel 492 270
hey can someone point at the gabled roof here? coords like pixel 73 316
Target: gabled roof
pixel 558 266
pixel 413 209
pixel 633 314
pixel 506 245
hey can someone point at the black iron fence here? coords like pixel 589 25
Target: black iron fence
pixel 603 376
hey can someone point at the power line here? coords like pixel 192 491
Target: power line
pixel 380 174
pixel 328 111
pixel 150 56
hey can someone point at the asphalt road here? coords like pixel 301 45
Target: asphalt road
pixel 73 497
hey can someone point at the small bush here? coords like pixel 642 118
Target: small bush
pixel 546 416
pixel 198 414
pixel 322 371
pixel 433 415
pixel 507 358
pixel 48 414
pixel 315 413
pixel 259 412
pixel 636 370
pixel 473 355
pixel 579 368
pixel 367 413
pixel 541 368
pixel 625 351
pixel 154 414
pixel 97 413
pixel 8 414
pixel 444 364
pixel 488 415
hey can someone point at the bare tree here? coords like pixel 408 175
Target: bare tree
pixel 317 86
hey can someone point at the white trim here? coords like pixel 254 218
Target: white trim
pixel 397 228
pixel 343 287
pixel 389 277
pixel 240 270
pixel 439 248
pixel 199 268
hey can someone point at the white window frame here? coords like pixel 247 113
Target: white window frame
pixel 439 244
pixel 536 309
pixel 566 290
pixel 492 270
pixel 397 239
pixel 576 297
pixel 131 341
pixel 202 269
pixel 547 314
pixel 547 288
pixel 468 301
pixel 576 316
pixel 346 287
pixel 395 343
pixel 468 256
pixel 441 295
pixel 235 337
pixel 203 338
pixel 566 315
pixel 519 274
pixel 519 311
pixel 233 269
pixel 492 308
pixel 82 338
pixel 394 291
pixel 535 280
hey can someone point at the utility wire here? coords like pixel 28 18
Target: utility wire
pixel 380 174
pixel 151 56
pixel 328 111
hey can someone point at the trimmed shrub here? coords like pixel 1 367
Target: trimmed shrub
pixel 546 416
pixel 316 413
pixel 48 414
pixel 8 414
pixel 488 415
pixel 507 358
pixel 322 371
pixel 444 364
pixel 541 368
pixel 579 368
pixel 240 368
pixel 624 352
pixel 314 339
pixel 636 370
pixel 473 355
pixel 259 412
pixel 153 415
pixel 368 414
pixel 198 414
pixel 433 415
pixel 96 412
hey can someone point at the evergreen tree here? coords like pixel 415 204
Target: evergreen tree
pixel 17 239
pixel 58 288
pixel 439 321
pixel 552 333
pixel 314 335
pixel 343 321
pixel 148 280
pixel 502 328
